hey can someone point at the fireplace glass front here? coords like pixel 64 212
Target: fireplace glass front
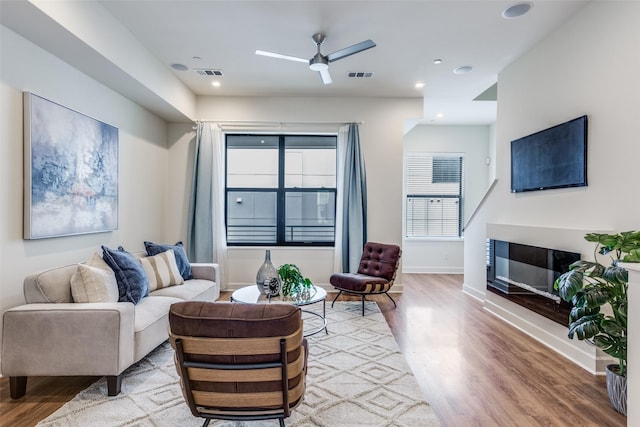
pixel 525 275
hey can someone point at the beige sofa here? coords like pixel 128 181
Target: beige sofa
pixel 53 336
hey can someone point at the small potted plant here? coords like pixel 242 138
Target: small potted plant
pixel 590 287
pixel 293 282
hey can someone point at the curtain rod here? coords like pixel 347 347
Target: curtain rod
pixel 272 123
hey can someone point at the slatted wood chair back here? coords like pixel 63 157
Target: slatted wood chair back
pixel 237 374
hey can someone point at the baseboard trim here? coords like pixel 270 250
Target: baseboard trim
pixel 432 270
pixel 473 292
pixel 577 352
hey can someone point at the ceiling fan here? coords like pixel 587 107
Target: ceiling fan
pixel 320 62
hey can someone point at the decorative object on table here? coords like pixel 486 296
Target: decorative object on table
pixel 70 171
pixel 267 279
pixel 589 286
pixel 293 282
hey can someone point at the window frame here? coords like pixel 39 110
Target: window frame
pixel 281 193
pixel 435 195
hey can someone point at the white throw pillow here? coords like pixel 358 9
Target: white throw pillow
pixel 94 282
pixel 162 270
pixel 96 260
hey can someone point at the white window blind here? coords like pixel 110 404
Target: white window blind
pixel 434 189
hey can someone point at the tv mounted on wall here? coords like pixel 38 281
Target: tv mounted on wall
pixel 552 158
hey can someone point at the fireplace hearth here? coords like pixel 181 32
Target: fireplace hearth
pixel 525 275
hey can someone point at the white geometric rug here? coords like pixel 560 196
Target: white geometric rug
pixel 356 377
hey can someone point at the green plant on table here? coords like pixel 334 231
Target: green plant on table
pixel 590 286
pixel 293 281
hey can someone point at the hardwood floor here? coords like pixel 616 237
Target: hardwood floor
pixel 473 368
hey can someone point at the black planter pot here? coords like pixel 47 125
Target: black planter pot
pixel 617 389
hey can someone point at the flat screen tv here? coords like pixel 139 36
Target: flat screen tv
pixel 552 158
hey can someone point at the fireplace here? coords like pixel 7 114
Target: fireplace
pixel 525 275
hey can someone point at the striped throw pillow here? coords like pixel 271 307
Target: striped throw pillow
pixel 162 270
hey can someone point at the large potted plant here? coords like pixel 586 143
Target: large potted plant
pixel 598 294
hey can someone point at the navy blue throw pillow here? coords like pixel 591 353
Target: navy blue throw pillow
pixel 133 284
pixel 181 256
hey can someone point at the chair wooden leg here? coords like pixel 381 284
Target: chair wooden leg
pixel 334 300
pixel 206 422
pixel 363 299
pixel 281 422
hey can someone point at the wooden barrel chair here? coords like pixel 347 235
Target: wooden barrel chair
pixel 376 273
pixel 239 361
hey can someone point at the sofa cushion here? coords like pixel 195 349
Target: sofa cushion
pixel 151 326
pixel 162 270
pixel 194 289
pixel 181 256
pixel 133 284
pixel 150 310
pixel 49 286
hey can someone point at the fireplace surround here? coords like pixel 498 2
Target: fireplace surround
pixel 549 332
pixel 525 275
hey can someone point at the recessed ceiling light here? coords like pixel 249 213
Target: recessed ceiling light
pixel 179 67
pixel 196 58
pixel 419 85
pixel 516 10
pixel 215 84
pixel 437 61
pixel 439 115
pixel 463 70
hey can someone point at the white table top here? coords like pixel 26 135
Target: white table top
pixel 252 295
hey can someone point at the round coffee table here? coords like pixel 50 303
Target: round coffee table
pixel 252 295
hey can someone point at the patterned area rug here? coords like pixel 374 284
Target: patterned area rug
pixel 357 377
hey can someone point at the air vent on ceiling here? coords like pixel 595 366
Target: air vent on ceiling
pixel 208 72
pixel 358 75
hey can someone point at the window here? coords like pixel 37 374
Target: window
pixel 281 189
pixel 434 195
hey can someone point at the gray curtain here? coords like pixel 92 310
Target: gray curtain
pixel 354 230
pixel 200 232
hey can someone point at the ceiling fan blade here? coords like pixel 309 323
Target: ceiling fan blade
pixel 348 51
pixel 326 77
pixel 280 56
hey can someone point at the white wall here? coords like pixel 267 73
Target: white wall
pixel 143 171
pixel 422 255
pixel 633 352
pixel 588 66
pixel 381 136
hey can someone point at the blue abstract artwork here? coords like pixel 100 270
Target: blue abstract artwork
pixel 71 171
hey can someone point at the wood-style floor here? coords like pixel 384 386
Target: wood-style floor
pixel 473 368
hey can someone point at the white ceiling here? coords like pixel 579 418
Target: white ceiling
pixel 409 36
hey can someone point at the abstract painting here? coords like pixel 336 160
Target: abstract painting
pixel 71 171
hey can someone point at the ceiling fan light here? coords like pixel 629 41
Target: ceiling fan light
pixel 318 66
pixel 319 63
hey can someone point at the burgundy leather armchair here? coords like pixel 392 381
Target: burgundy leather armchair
pixel 376 273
